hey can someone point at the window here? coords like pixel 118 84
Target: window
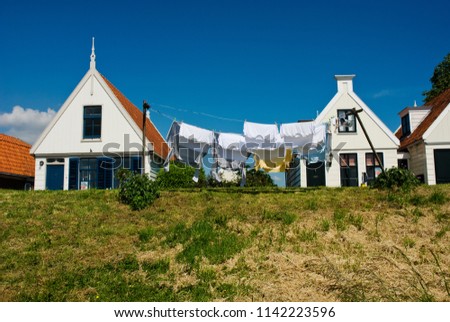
pixel 406 128
pixel 99 173
pixel 373 167
pixel 347 123
pixel 92 122
pixel 402 163
pixel 349 169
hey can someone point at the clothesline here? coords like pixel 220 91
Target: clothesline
pixel 198 113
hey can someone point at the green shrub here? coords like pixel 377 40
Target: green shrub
pixel 138 191
pixel 258 179
pixel 180 176
pixel 395 179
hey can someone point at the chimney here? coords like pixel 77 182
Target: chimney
pixel 344 83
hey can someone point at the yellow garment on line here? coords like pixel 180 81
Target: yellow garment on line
pixel 272 160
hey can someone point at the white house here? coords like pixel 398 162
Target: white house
pixel 425 139
pixel 351 161
pixel 96 131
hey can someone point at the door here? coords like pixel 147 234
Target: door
pixel 441 165
pixel 55 177
pixel 315 174
pixel 349 169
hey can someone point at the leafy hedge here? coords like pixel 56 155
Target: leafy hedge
pixel 180 176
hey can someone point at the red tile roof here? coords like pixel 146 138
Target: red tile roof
pixel 160 145
pixel 15 157
pixel 437 104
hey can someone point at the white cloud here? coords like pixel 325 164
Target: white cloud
pixel 383 93
pixel 26 124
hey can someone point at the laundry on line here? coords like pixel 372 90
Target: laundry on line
pixel 272 149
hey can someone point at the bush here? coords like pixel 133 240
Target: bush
pixel 258 179
pixel 137 190
pixel 395 179
pixel 180 176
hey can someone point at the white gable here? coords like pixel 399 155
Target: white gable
pixel 345 98
pixel 438 132
pixel 64 135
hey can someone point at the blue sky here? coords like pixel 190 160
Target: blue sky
pixel 261 61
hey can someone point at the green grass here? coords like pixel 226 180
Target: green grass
pixel 345 244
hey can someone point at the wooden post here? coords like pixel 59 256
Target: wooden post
pixel 145 107
pixel 356 114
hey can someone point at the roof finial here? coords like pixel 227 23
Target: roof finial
pixel 415 103
pixel 93 54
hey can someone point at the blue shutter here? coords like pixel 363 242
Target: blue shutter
pixel 73 173
pixel 136 164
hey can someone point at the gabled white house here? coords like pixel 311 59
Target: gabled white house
pixel 351 161
pixel 425 139
pixel 96 131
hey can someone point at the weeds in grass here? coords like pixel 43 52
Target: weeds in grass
pixel 438 198
pixel 285 217
pixel 307 235
pixel 441 232
pixel 356 220
pixel 408 242
pixel 204 240
pixel 146 234
pixel 324 224
pixel 156 268
pixel 311 204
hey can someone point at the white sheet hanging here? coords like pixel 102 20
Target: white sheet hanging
pixel 262 136
pixel 301 134
pixel 196 134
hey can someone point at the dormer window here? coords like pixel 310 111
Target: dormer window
pixel 406 127
pixel 92 122
pixel 346 121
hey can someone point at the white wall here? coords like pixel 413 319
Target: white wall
pixel 66 136
pixel 441 132
pixel 40 174
pixel 416 117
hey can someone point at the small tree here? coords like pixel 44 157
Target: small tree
pixel 440 80
pixel 258 179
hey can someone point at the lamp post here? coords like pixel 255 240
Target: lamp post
pixel 145 108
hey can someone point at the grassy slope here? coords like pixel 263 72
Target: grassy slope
pixel 303 245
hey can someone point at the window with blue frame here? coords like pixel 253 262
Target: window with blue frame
pixel 99 173
pixel 92 122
